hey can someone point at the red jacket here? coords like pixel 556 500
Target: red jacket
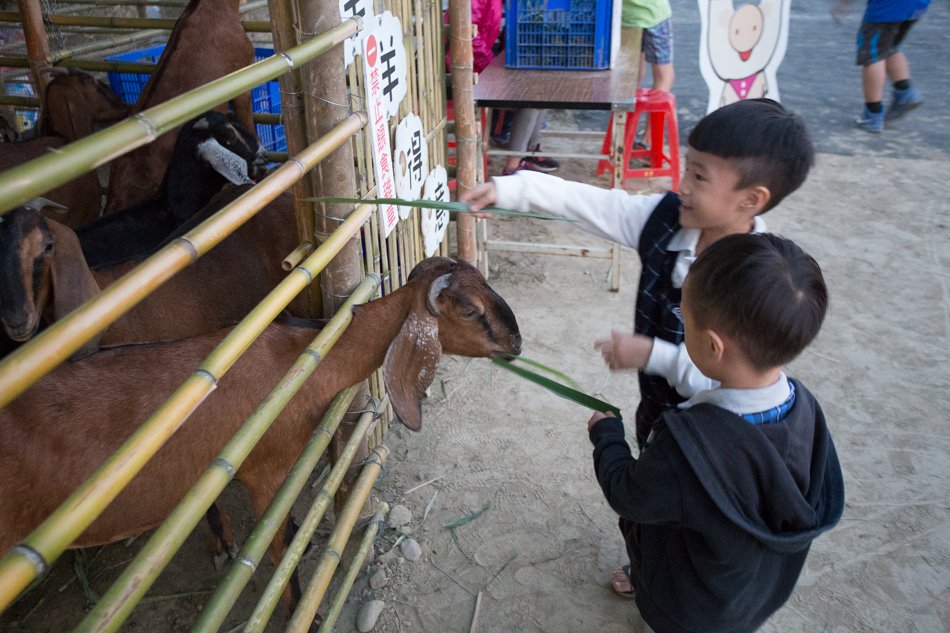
pixel 486 15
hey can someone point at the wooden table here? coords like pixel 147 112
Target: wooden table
pixel 614 90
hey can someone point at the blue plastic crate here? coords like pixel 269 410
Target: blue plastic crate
pixel 25 118
pixel 265 98
pixel 558 34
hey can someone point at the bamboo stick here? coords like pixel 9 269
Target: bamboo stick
pixel 301 540
pixel 58 531
pixel 245 564
pixel 117 603
pixel 112 42
pixel 26 181
pixel 28 363
pixel 354 569
pixel 84 64
pixel 20 102
pixel 37 43
pixel 313 594
pixel 466 138
pixel 128 3
pixel 119 23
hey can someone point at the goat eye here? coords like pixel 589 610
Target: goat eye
pixel 48 248
pixel 471 313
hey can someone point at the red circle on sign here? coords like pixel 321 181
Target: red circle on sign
pixel 371 51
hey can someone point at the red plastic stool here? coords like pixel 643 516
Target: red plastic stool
pixel 661 108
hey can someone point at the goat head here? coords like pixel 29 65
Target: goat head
pixel 456 312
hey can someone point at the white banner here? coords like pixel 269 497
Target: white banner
pixel 379 131
pixel 352 8
pixel 392 58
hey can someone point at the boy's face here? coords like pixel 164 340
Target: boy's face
pixel 709 197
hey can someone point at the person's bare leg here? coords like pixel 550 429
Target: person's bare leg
pixel 663 77
pixel 897 67
pixel 872 81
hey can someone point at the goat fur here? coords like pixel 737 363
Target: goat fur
pixel 57 432
pixel 208 42
pixel 192 178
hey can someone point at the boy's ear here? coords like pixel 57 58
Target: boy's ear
pixel 716 344
pixel 756 199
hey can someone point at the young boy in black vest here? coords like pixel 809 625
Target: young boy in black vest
pixel 719 510
pixel 743 159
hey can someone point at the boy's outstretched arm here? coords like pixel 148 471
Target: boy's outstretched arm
pixel 672 362
pixel 644 490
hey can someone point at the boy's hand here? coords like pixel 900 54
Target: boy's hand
pixel 624 350
pixel 481 196
pixel 839 10
pixel 598 416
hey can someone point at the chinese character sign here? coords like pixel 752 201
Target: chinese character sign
pixel 411 160
pixel 353 8
pixel 392 57
pixel 435 221
pixel 742 43
pixel 379 133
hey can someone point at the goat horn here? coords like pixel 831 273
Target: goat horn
pixel 437 286
pixel 38 204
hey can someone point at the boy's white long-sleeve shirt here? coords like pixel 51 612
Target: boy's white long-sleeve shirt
pixel 618 216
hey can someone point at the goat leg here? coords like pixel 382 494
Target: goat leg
pixel 222 538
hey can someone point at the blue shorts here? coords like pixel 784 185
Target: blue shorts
pixel 879 40
pixel 658 43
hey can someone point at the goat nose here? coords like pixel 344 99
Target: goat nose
pixel 516 343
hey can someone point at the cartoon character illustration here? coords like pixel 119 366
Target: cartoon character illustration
pixel 741 47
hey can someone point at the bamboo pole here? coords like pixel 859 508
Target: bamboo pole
pixel 313 594
pixel 127 3
pixel 295 126
pixel 245 564
pixel 466 137
pixel 37 43
pixel 20 102
pixel 117 603
pixel 35 177
pixel 250 26
pixel 275 587
pixel 333 177
pixel 28 363
pixel 336 607
pixel 84 64
pixel 33 556
pixel 112 42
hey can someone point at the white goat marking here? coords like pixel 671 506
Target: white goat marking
pixel 224 161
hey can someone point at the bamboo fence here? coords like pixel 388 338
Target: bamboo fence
pixel 383 263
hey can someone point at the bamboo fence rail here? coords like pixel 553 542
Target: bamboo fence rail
pixel 312 596
pixel 245 563
pixel 27 364
pixel 353 570
pixel 298 545
pixel 26 181
pixel 251 26
pixel 84 64
pixel 117 603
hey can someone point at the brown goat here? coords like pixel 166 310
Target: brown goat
pixel 59 430
pixel 45 277
pixel 75 104
pixel 208 42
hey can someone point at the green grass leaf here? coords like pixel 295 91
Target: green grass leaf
pixel 452 207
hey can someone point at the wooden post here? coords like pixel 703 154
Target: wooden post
pixel 326 102
pixel 466 131
pixel 295 127
pixel 37 44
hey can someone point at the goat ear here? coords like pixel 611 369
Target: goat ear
pixel 73 283
pixel 201 124
pixel 410 365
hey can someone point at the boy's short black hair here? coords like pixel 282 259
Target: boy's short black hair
pixel 761 290
pixel 769 145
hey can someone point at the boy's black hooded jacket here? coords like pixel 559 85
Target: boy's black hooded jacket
pixel 718 514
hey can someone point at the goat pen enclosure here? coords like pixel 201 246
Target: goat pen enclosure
pixel 325 112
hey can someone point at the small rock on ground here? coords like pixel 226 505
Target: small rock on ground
pixel 368 615
pixel 411 549
pixel 399 516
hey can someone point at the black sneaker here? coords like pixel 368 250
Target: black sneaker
pixel 540 163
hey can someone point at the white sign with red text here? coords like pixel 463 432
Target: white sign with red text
pixel 434 221
pixel 379 133
pixel 411 160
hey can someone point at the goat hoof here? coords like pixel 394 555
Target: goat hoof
pixel 221 559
